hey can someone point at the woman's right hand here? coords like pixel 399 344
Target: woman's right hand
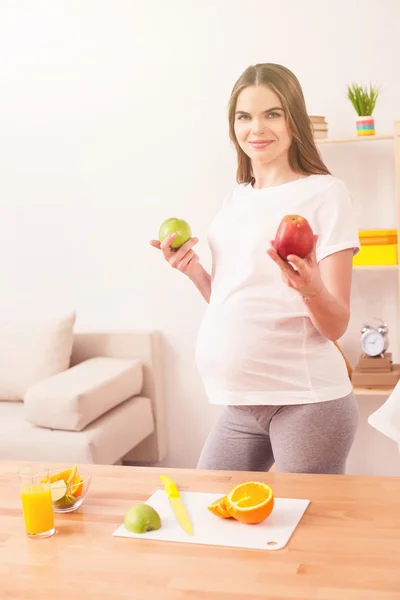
pixel 184 258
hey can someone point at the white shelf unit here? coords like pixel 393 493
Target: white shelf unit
pixel 395 137
pixel 356 138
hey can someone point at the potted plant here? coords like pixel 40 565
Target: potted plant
pixel 364 100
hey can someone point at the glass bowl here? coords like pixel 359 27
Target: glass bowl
pixel 68 488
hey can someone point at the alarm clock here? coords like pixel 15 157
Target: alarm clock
pixel 374 340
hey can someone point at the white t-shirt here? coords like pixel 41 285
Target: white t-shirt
pixel 257 344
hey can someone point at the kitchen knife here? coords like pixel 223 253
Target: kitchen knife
pixel 177 504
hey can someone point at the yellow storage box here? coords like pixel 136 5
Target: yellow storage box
pixel 378 248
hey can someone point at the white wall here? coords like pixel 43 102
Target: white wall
pixel 113 117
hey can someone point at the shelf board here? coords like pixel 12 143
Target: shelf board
pixel 374 267
pixel 364 391
pixel 355 138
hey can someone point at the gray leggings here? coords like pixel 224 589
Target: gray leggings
pixel 301 438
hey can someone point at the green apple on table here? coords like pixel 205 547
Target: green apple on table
pixel 141 518
pixel 178 226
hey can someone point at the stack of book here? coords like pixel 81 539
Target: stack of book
pixel 376 372
pixel 320 126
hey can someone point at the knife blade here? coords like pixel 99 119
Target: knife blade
pixel 177 504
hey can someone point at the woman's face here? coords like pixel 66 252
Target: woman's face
pixel 260 124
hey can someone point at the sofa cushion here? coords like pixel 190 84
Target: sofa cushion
pixel 105 441
pixel 33 347
pixel 76 397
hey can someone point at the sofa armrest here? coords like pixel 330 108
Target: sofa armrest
pixel 74 398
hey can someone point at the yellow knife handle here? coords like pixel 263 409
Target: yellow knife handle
pixel 170 487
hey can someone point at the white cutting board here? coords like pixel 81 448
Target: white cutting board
pixel 272 534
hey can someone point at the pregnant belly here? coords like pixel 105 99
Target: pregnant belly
pixel 251 352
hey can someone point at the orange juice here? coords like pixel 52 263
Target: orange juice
pixel 37 508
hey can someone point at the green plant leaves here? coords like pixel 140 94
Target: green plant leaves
pixel 363 99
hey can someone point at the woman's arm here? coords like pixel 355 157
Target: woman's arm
pixel 324 287
pixel 186 261
pixel 329 308
pixel 202 280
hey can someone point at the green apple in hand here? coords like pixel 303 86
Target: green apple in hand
pixel 178 226
pixel 141 518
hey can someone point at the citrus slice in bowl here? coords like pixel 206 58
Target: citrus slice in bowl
pixel 58 490
pixel 75 486
pixel 218 508
pixel 67 476
pixel 72 474
pixel 250 502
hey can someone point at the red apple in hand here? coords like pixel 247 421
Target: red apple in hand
pixel 294 236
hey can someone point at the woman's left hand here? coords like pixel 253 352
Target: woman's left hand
pixel 302 275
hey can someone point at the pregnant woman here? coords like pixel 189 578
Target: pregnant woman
pixel 265 348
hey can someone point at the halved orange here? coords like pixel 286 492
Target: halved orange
pixel 250 502
pixel 218 507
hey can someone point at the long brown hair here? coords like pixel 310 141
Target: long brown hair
pixel 303 153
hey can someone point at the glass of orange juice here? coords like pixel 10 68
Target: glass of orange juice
pixel 37 506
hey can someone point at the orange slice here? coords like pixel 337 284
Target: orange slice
pixel 250 502
pixel 72 474
pixel 76 485
pixel 66 475
pixel 218 507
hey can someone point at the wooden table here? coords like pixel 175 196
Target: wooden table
pixel 347 546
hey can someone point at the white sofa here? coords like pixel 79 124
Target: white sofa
pixel 92 397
